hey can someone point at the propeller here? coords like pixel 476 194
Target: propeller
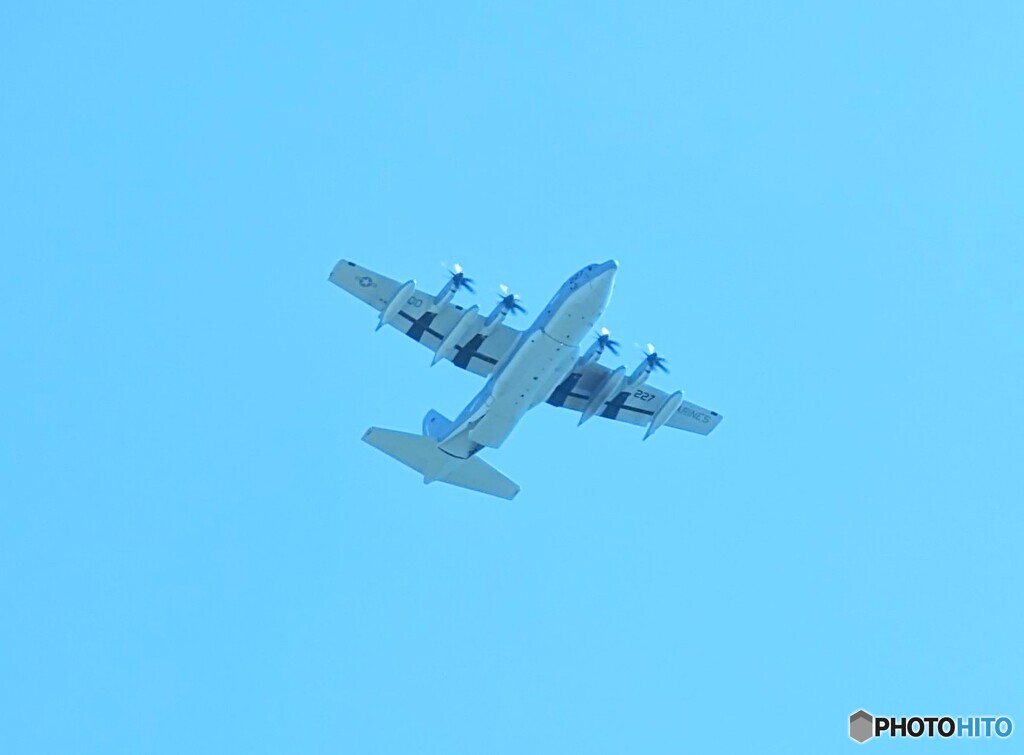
pixel 655 361
pixel 605 337
pixel 510 300
pixel 459 278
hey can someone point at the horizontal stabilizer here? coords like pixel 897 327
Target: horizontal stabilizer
pixel 422 454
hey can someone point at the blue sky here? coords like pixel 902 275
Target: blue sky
pixel 817 213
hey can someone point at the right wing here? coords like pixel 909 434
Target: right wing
pixel 635 405
pixel 419 320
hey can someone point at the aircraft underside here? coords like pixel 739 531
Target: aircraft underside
pixel 542 364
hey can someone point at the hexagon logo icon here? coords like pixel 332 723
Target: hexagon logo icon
pixel 862 726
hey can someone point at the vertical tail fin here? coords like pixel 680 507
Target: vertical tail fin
pixel 436 425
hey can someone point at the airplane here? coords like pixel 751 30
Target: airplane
pixel 524 369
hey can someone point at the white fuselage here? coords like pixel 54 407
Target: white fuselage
pixel 544 356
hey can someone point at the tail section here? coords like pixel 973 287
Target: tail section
pixel 422 454
pixel 436 425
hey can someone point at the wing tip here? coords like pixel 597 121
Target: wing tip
pixel 338 267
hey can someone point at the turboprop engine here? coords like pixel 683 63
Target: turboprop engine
pixel 457 279
pixel 602 342
pixel 651 363
pixel 508 304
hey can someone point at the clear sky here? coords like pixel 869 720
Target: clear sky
pixel 817 209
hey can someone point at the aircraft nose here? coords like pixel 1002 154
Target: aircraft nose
pixel 603 277
pixel 605 271
pixel 597 270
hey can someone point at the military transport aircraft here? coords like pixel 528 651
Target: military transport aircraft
pixel 524 368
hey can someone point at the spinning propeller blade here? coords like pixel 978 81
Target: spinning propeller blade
pixel 656 362
pixel 510 300
pixel 605 337
pixel 458 278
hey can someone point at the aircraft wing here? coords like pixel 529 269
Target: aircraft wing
pixel 417 318
pixel 636 406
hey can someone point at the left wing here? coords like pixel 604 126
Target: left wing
pixel 637 406
pixel 471 348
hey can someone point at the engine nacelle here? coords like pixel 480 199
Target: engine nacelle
pixel 603 341
pixel 496 317
pixel 508 303
pixel 457 280
pixel 640 374
pixel 443 296
pixel 593 353
pixel 643 371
